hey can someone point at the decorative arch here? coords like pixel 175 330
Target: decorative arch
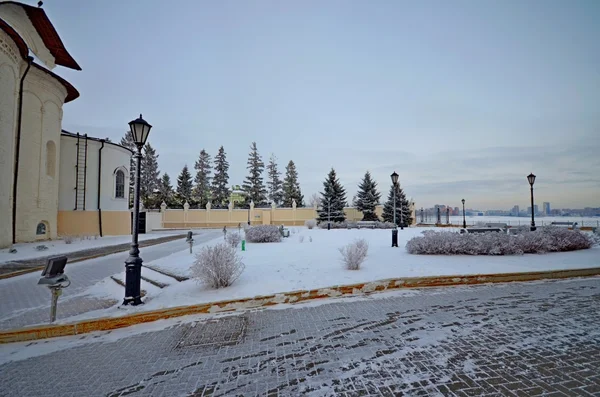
pixel 51 159
pixel 42 230
pixel 120 182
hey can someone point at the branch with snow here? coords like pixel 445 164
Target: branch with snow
pixel 354 254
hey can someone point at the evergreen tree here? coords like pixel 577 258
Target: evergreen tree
pixel 149 176
pixel 127 141
pixel 201 191
pixel 274 183
pixel 220 182
pixel 333 199
pixel 291 187
pixel 165 191
pixel 184 186
pixel 253 185
pixel 402 206
pixel 368 198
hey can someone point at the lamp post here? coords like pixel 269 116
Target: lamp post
pixel 133 265
pixel 248 214
pixel 394 177
pixel 531 179
pixel 464 218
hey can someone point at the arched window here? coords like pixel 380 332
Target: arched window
pixel 50 159
pixel 120 184
pixel 41 229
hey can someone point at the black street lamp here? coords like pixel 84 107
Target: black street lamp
pixel 248 214
pixel 394 177
pixel 531 179
pixel 464 218
pixel 133 265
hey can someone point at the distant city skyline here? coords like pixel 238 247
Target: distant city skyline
pixel 462 99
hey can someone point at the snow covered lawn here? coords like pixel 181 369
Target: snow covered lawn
pixel 56 247
pixel 292 265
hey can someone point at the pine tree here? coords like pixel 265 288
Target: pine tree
pixel 128 142
pixel 165 191
pixel 184 186
pixel 333 199
pixel 201 192
pixel 149 176
pixel 368 198
pixel 220 182
pixel 402 206
pixel 274 183
pixel 253 184
pixel 291 187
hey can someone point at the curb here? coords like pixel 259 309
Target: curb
pixel 149 243
pixel 110 323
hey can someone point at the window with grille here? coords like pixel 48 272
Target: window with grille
pixel 120 184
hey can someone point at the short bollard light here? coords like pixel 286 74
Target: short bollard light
pixel 243 245
pixel 54 277
pixel 190 240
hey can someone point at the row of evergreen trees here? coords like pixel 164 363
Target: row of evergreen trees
pixel 206 186
pixel 333 201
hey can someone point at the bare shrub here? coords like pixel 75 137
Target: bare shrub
pixel 311 223
pixel 263 234
pixel 310 239
pixel 301 238
pixel 68 239
pixel 41 247
pixel 354 254
pixel 217 266
pixel 233 239
pixel 545 239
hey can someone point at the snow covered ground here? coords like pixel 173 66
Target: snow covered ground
pixel 28 250
pixel 293 265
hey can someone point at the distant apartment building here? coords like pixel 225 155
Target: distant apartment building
pixel 515 211
pixel 547 208
pixel 535 210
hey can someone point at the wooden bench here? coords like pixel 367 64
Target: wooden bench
pixel 481 230
pixel 369 224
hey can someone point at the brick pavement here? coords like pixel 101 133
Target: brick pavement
pixel 519 339
pixel 23 302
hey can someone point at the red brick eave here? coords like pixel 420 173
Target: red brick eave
pixel 15 37
pixel 72 92
pixel 50 37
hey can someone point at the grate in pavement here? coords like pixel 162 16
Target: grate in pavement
pixel 221 332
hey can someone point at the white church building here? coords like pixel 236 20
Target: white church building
pixel 52 182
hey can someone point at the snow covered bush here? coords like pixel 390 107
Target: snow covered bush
pixel 217 266
pixel 311 223
pixel 354 254
pixel 334 225
pixel 545 239
pixel 233 239
pixel 263 234
pixel 352 225
pixel 67 238
pixel 384 225
pixel 301 238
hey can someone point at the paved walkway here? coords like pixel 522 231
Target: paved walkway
pixel 23 302
pixel 519 339
pixel 24 264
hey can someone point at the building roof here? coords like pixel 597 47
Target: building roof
pixel 23 50
pixel 46 32
pixel 72 92
pixel 91 138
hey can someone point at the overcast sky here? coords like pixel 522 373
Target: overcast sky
pixel 461 98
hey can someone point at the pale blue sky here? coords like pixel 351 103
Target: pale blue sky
pixel 461 98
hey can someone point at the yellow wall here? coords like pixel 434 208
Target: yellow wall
pixel 197 218
pixel 85 223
